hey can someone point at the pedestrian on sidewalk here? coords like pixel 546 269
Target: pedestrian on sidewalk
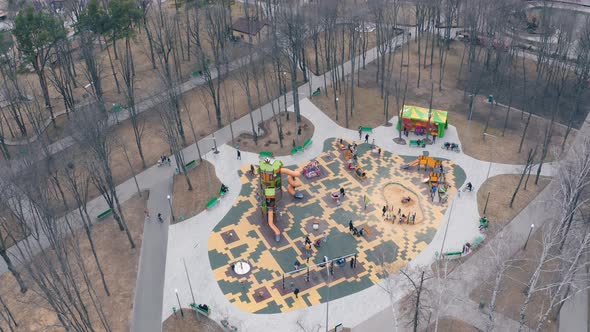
pixel 296 292
pixel 160 218
pixel 350 225
pixel 352 262
pixel 239 155
pixel 379 153
pixel 367 138
pixel 384 210
pixel 360 132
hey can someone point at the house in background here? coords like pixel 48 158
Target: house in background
pixel 246 29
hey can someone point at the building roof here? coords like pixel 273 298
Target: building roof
pixel 254 26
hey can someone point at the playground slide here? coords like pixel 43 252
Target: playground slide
pixel 271 223
pixel 414 163
pixel 293 180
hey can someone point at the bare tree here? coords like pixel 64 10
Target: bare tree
pixel 94 133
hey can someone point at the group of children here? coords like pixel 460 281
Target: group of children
pixel 389 214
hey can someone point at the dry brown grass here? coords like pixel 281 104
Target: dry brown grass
pixel 119 263
pixel 310 53
pixel 270 140
pixel 190 323
pixel 190 203
pixel 368 108
pixel 501 188
pixel 497 146
pixel 511 296
pixel 452 324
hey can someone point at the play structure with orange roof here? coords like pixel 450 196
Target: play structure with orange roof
pixel 270 172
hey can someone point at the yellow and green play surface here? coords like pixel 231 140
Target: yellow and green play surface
pixel 243 234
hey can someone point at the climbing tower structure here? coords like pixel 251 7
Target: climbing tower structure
pixel 271 192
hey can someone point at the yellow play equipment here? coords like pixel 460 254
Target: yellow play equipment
pixel 347 154
pixel 425 161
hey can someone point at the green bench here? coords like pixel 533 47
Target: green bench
pixel 201 310
pixel 116 108
pixel 212 202
pixel 316 92
pixel 367 129
pixel 190 164
pixel 307 143
pixel 197 73
pixel 221 193
pixel 265 154
pixel 477 242
pixel 293 150
pixel 453 253
pixel 104 214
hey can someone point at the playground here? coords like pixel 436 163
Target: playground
pixel 268 253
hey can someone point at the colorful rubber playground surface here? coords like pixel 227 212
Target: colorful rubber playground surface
pixel 244 235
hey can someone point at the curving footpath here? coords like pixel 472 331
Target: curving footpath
pixel 188 240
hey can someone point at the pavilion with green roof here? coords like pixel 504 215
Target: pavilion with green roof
pixel 414 117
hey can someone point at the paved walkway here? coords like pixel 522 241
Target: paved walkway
pixel 189 239
pixel 184 236
pixel 152 261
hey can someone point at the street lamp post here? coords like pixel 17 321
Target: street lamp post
pixel 189 282
pixel 171 211
pixel 446 229
pixel 214 144
pixel 528 236
pixel 179 306
pixel 486 206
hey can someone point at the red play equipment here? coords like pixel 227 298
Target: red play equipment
pixel 312 169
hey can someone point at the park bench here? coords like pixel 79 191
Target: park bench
pixel 190 164
pixel 228 326
pixel 197 73
pixel 201 310
pixel 212 202
pixel 104 214
pixel 116 108
pixel 452 254
pixel 316 92
pixel 413 143
pixel 265 154
pixel 300 148
pixel 367 129
pixel 293 150
pixel 307 143
pixel 476 242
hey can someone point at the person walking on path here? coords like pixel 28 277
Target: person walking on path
pixel 360 132
pixel 160 218
pixel 350 225
pixel 352 262
pixel 384 210
pixel 296 292
pixel 367 138
pixel 239 155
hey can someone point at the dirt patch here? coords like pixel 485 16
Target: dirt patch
pixel 190 203
pixel 368 108
pixel 501 188
pixel 119 264
pixel 10 225
pixel 190 323
pixel 270 140
pixel 512 293
pixel 498 145
pixel 452 324
pixel 395 195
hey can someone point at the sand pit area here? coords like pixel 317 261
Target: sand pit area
pixel 395 198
